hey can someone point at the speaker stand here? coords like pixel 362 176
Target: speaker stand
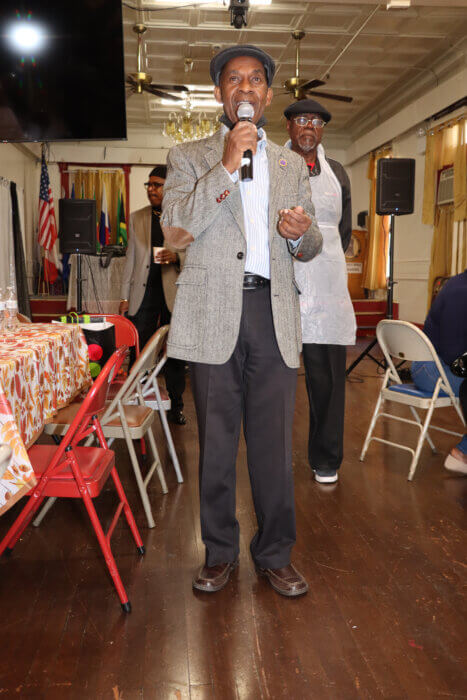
pixel 389 305
pixel 79 285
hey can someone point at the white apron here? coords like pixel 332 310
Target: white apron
pixel 326 309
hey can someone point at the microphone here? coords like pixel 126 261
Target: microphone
pixel 245 113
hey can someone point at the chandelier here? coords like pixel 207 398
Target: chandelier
pixel 187 126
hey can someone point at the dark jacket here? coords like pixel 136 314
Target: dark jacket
pixel 345 224
pixel 446 323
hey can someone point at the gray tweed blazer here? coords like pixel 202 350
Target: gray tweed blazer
pixel 202 212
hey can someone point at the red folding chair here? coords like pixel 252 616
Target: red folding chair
pixel 125 334
pixel 69 471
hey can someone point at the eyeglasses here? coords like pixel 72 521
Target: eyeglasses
pixel 153 185
pixel 304 121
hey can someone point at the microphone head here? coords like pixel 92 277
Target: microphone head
pixel 245 111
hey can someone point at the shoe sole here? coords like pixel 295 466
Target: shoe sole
pixel 326 479
pixel 211 589
pixel 279 590
pixel 452 464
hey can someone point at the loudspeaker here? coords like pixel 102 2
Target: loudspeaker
pixel 78 228
pixel 395 186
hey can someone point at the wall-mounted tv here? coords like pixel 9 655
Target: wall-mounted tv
pixel 61 70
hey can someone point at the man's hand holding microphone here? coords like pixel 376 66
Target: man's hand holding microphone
pixel 243 138
pixel 241 145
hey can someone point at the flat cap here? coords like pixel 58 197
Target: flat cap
pixel 307 107
pixel 220 59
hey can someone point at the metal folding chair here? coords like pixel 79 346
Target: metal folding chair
pixel 153 397
pixel 404 341
pixel 68 470
pixel 126 416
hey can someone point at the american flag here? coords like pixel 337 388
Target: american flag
pixel 47 234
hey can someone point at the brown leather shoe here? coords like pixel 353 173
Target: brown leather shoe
pixel 212 578
pixel 286 581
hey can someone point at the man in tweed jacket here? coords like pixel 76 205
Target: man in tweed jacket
pixel 236 318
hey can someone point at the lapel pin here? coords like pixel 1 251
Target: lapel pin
pixel 283 162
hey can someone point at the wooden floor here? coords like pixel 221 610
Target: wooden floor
pixel 384 618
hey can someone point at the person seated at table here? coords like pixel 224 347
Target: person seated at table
pixel 446 327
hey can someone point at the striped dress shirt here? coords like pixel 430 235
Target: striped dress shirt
pixel 255 201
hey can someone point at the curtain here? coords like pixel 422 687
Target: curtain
pixel 88 184
pixel 446 146
pixel 7 260
pixel 441 246
pixel 20 266
pixel 374 276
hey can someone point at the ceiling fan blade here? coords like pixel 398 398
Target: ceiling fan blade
pixel 130 81
pixel 330 96
pixel 160 93
pixel 310 84
pixel 172 88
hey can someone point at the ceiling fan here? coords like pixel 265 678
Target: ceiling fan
pixel 142 82
pixel 300 88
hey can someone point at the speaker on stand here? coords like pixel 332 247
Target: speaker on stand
pixel 78 235
pixel 395 189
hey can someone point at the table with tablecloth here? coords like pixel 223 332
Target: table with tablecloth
pixel 43 366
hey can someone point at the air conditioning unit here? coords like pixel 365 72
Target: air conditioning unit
pixel 446 186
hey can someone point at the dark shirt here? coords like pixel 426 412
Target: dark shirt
pixel 345 224
pixel 154 294
pixel 446 323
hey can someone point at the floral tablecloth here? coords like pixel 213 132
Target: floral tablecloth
pixel 43 367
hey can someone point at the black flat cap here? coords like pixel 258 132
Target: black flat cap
pixel 159 171
pixel 307 107
pixel 220 59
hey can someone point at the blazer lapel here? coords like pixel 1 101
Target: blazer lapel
pixel 213 155
pixel 146 233
pixel 277 176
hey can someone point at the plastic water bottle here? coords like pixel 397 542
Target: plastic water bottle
pixel 2 311
pixel 11 308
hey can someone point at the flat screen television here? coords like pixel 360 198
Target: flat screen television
pixel 61 70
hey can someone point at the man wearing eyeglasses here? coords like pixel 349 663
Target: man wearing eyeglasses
pixel 148 285
pixel 328 319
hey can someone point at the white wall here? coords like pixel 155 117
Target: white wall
pixel 19 164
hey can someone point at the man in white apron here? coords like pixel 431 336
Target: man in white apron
pixel 328 319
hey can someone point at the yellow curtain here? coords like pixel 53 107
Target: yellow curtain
pixel 441 246
pixel 446 146
pixel 460 173
pixel 89 184
pixel 374 276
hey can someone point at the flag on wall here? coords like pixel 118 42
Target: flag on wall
pixel 104 223
pixel 122 238
pixel 47 232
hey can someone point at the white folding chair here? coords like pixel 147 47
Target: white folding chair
pixel 127 416
pixel 403 340
pixel 153 398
